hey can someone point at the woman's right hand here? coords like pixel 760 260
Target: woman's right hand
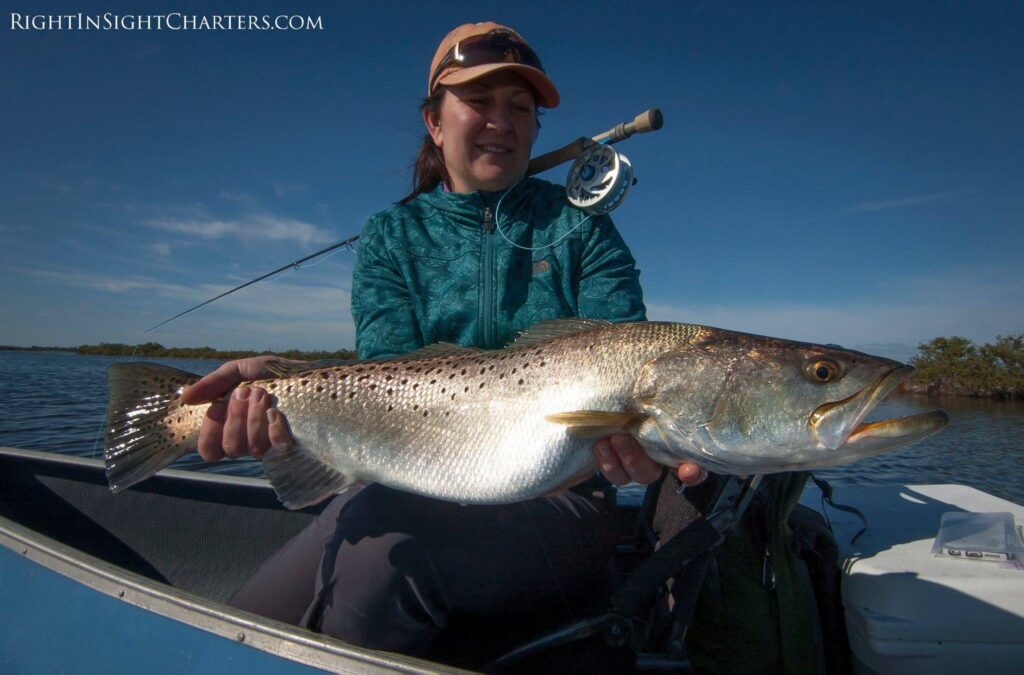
pixel 247 423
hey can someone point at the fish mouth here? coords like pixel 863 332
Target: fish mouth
pixel 851 438
pixel 876 437
pixel 834 423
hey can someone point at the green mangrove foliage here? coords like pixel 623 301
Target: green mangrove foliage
pixel 956 366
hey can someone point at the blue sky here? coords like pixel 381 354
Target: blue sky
pixel 829 171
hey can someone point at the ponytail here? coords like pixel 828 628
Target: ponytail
pixel 429 170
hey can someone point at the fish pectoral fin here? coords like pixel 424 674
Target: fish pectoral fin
pixel 300 479
pixel 596 423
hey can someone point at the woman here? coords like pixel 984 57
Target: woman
pixel 477 253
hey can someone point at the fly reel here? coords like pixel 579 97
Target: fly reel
pixel 599 180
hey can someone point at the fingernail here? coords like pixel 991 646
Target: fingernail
pixel 273 416
pixel 241 392
pixel 217 411
pixel 603 451
pixel 257 396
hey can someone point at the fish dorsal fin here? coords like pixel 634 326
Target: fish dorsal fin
pixel 280 369
pixel 596 423
pixel 440 349
pixel 552 328
pixel 300 479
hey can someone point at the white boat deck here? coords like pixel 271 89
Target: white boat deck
pixel 909 611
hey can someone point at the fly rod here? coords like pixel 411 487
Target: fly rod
pixel 649 120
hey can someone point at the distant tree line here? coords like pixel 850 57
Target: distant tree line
pixel 956 366
pixel 34 348
pixel 151 349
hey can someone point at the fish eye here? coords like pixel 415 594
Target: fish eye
pixel 821 371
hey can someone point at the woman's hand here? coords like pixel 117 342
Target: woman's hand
pixel 246 423
pixel 622 460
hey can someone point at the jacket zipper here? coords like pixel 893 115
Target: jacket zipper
pixel 487 318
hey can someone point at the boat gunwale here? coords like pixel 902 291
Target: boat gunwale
pixel 279 639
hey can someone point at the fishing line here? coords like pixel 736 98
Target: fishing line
pixel 347 243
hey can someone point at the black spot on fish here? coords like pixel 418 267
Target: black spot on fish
pixel 351 394
pixel 325 375
pixel 319 388
pixel 334 396
pixel 481 385
pixel 520 381
pixel 444 390
pixel 390 408
pixel 390 392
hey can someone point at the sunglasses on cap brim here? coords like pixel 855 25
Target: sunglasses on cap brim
pixel 479 50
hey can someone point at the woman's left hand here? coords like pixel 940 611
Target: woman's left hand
pixel 622 460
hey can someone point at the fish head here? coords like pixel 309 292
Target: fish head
pixel 741 403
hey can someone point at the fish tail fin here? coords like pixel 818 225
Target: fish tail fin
pixel 300 478
pixel 148 428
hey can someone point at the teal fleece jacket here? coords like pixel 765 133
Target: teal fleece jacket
pixel 436 269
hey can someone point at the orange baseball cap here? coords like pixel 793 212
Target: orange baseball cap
pixel 476 49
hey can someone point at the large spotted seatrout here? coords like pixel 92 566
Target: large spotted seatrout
pixel 475 426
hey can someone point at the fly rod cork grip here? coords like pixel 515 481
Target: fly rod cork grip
pixel 649 120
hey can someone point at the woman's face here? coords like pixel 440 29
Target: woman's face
pixel 485 130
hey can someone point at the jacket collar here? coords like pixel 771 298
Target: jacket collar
pixel 467 208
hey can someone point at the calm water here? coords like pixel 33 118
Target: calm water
pixel 56 401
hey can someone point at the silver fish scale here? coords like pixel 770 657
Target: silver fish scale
pixel 470 427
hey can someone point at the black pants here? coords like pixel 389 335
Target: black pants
pixel 389 570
